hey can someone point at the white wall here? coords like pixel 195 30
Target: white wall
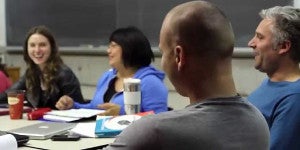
pixel 2 24
pixel 297 3
pixel 89 68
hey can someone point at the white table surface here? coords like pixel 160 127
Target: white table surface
pixel 7 124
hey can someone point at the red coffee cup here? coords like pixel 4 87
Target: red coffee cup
pixel 15 99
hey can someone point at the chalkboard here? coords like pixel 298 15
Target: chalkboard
pixel 90 22
pixel 73 22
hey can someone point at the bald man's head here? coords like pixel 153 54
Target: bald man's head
pixel 201 28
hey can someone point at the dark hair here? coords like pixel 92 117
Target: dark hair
pixel 4 70
pixel 136 48
pixel 33 73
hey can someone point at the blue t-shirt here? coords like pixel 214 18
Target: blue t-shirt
pixel 279 102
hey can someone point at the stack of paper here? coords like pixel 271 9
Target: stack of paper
pixel 110 126
pixel 71 115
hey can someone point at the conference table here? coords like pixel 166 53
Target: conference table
pixel 7 124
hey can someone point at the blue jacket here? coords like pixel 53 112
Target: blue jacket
pixel 279 102
pixel 153 91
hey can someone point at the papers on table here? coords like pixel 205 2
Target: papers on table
pixel 106 126
pixel 110 126
pixel 71 115
pixel 87 129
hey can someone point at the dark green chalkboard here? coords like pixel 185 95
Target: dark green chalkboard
pixel 90 22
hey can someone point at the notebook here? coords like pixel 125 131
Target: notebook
pixel 110 126
pixel 21 139
pixel 71 115
pixel 44 130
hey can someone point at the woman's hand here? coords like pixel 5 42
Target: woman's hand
pixel 111 109
pixel 65 102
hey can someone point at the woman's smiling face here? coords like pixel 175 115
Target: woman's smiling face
pixel 39 49
pixel 114 55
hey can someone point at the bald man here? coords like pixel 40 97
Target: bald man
pixel 196 42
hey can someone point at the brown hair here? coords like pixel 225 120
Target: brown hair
pixel 33 72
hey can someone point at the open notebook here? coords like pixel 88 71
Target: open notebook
pixel 44 130
pixel 71 115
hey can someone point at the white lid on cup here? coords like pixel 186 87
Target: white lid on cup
pixel 132 84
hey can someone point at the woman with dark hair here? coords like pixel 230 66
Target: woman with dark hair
pixel 130 56
pixel 5 82
pixel 47 79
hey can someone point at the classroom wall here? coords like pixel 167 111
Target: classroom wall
pixel 89 68
pixel 90 65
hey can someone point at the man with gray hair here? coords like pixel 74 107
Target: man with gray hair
pixel 196 42
pixel 276 47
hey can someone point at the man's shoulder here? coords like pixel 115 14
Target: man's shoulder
pixel 167 117
pixel 275 91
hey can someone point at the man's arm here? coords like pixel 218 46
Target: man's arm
pixel 285 128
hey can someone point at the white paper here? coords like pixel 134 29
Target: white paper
pixel 8 142
pixel 59 118
pixel 76 113
pixel 84 129
pixel 71 115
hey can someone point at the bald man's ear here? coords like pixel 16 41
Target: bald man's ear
pixel 180 57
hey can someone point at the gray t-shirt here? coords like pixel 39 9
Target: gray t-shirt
pixel 214 124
